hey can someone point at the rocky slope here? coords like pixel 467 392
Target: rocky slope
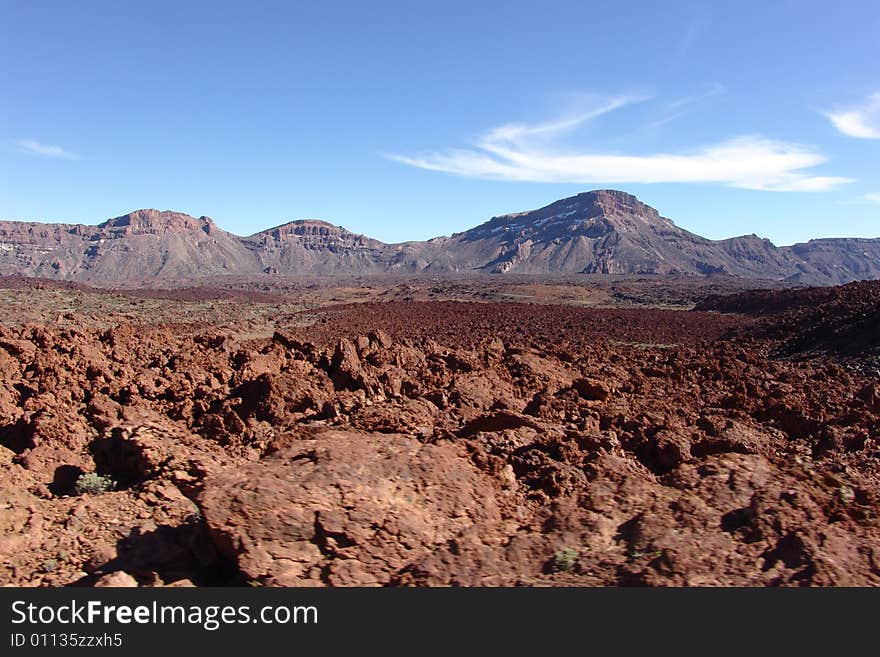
pixel 604 231
pixel 612 232
pixel 143 244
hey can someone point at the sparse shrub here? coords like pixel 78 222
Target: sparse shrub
pixel 93 484
pixel 565 559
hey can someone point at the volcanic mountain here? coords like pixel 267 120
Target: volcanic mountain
pixel 603 231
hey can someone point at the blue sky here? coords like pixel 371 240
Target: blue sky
pixel 407 120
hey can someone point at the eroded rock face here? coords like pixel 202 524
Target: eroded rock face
pixel 348 508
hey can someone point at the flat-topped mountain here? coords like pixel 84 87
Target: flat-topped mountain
pixel 142 244
pixel 313 246
pixel 155 222
pixel 309 230
pixel 603 231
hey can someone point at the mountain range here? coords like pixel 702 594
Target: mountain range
pixel 602 231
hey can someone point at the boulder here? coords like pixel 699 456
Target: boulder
pixel 348 508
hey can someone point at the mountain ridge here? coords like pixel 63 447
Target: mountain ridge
pixel 602 231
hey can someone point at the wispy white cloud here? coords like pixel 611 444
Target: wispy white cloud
pixel 36 148
pixel 862 121
pixel 681 106
pixel 527 153
pixel 874 198
pixel 715 90
pixel 519 132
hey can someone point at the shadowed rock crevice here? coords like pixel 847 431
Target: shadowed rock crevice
pixel 167 555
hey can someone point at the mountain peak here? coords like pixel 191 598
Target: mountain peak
pixel 615 203
pixel 609 196
pixel 590 214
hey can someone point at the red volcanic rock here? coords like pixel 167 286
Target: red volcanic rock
pixel 645 446
pixel 347 508
pixel 133 455
pixel 589 389
pixel 119 579
pixel 843 321
pixel 346 366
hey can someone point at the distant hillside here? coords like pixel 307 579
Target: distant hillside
pixel 604 231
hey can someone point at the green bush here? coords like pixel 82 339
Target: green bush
pixel 565 559
pixel 93 484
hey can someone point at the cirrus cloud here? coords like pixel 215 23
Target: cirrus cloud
pixel 36 148
pixel 529 153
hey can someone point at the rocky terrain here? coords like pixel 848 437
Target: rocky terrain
pixel 195 437
pixel 604 232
